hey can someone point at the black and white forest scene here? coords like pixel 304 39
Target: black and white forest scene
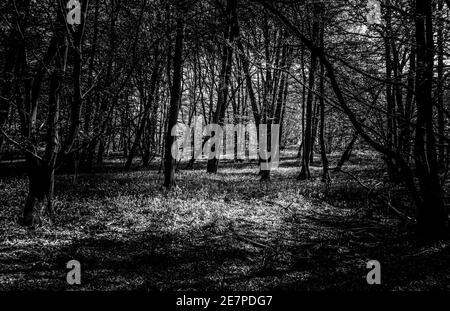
pixel 225 145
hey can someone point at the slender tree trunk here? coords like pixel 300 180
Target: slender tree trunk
pixel 390 99
pixel 306 143
pixel 440 86
pixel 283 112
pixel 433 216
pixel 89 101
pixel 315 126
pixel 230 35
pixel 409 100
pixel 145 115
pixel 281 96
pixel 41 172
pixel 169 161
pixel 305 173
pixel 323 152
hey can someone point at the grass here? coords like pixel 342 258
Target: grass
pixel 218 232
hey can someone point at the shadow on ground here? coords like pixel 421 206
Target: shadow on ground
pixel 216 232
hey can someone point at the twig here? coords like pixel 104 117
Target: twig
pixel 248 240
pixel 387 202
pixel 18 145
pixel 356 179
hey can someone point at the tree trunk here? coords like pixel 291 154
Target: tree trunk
pixel 390 99
pixel 169 161
pixel 347 152
pixel 89 101
pixel 409 100
pixel 41 172
pixel 433 216
pixel 230 35
pixel 40 186
pixel 323 152
pixel 440 86
pixel 145 116
pixel 305 173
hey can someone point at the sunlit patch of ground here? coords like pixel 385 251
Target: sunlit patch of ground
pixel 224 231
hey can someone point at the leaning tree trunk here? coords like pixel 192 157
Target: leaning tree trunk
pixel 347 152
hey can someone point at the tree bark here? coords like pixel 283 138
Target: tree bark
pixel 169 161
pixel 305 173
pixel 231 33
pixel 323 152
pixel 145 115
pixel 41 172
pixel 433 216
pixel 440 86
pixel 347 152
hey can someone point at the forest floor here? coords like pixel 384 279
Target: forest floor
pixel 220 232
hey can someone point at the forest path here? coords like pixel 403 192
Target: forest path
pixel 225 231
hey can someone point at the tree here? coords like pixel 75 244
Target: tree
pixel 230 34
pixel 433 216
pixel 170 161
pixel 41 169
pixel 308 132
pixel 428 195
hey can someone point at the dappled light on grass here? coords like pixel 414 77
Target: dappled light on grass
pixel 223 231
